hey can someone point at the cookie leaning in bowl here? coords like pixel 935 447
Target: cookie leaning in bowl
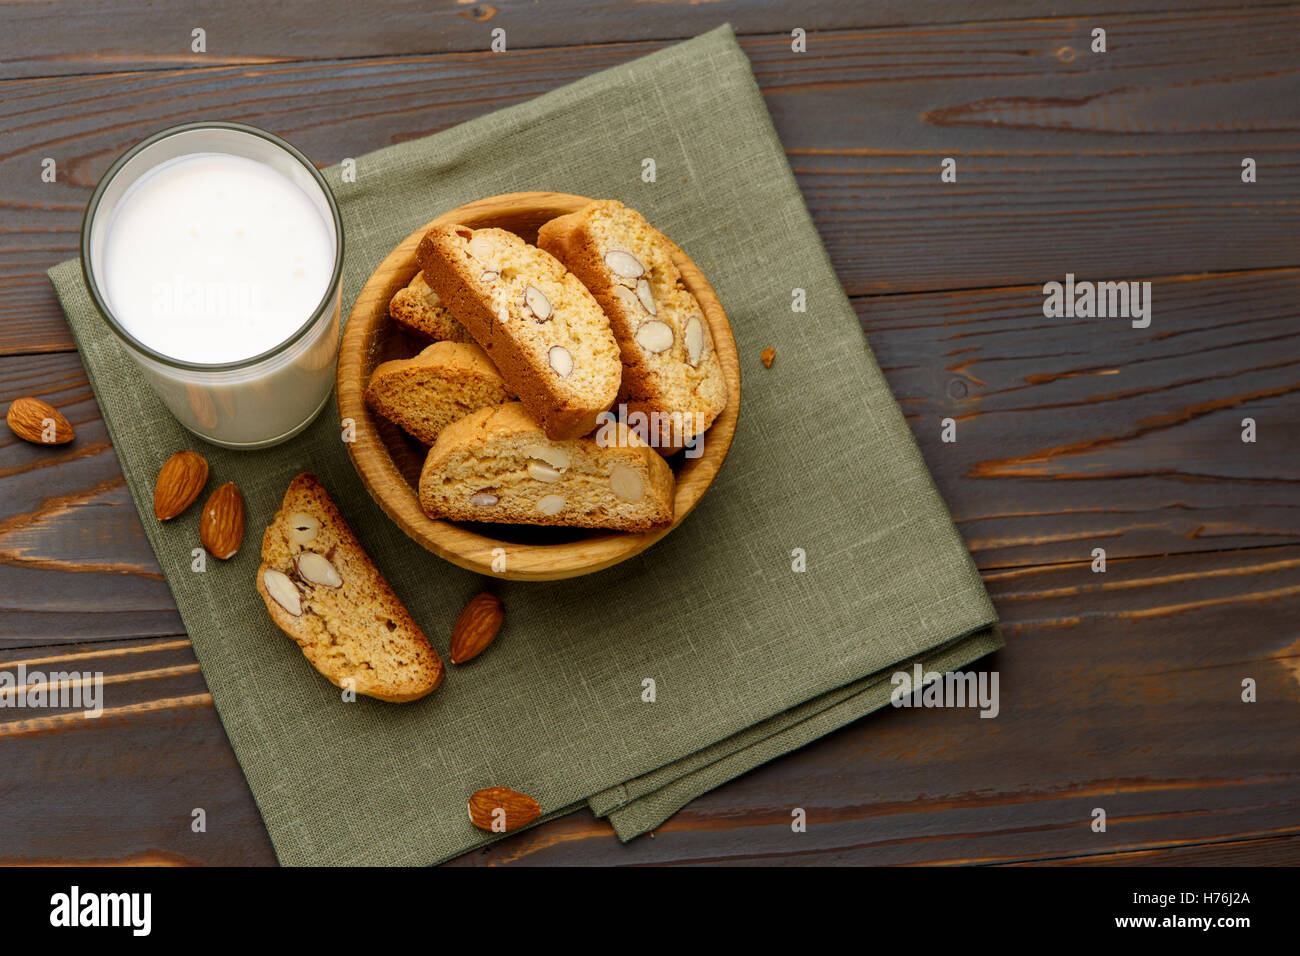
pixel 442 384
pixel 417 309
pixel 544 331
pixel 322 590
pixel 498 465
pixel 671 372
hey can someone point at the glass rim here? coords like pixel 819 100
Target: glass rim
pixel 106 313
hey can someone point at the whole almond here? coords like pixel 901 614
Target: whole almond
pixel 222 527
pixel 476 627
pixel 180 480
pixel 38 422
pixel 500 810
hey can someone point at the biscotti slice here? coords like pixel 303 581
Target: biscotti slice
pixel 541 327
pixel 418 309
pixel 498 465
pixel 321 589
pixel 445 382
pixel 671 372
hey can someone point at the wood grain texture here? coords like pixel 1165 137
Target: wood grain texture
pixel 121 788
pixel 1082 433
pixel 1272 851
pixel 1130 168
pixel 49 38
pixel 390 469
pixel 1119 690
pixel 74 560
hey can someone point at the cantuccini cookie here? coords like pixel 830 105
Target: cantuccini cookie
pixel 442 384
pixel 417 309
pixel 671 371
pixel 543 330
pixel 498 465
pixel 322 590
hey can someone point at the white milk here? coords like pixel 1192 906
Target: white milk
pixel 214 258
pixel 210 258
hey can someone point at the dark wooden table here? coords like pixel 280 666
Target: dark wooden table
pixel 1119 690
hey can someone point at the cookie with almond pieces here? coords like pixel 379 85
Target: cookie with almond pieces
pixel 543 330
pixel 321 588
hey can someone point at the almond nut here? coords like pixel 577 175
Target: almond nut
pixel 481 247
pixel 560 360
pixel 38 422
pixel 303 528
pixel 551 504
pixel 484 250
pixel 624 264
pixel 655 337
pixel 645 296
pixel 202 406
pixel 628 298
pixel 283 591
pixel 536 303
pixel 557 458
pixel 540 472
pixel 477 625
pixel 483 499
pixel 626 483
pixel 316 569
pixel 694 336
pixel 500 810
pixel 180 480
pixel 422 289
pixel 222 527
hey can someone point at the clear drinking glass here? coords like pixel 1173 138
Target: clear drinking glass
pixel 257 401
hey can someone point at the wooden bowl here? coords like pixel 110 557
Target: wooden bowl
pixel 389 461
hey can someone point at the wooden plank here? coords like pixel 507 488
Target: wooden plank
pixel 51 38
pixel 74 560
pixel 1029 216
pixel 1114 166
pixel 1081 433
pixel 1270 851
pixel 121 788
pixel 1119 690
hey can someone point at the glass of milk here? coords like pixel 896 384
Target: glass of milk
pixel 213 251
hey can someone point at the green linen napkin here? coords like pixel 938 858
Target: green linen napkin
pixel 750 657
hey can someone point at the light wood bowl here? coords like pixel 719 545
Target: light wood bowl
pixel 389 461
